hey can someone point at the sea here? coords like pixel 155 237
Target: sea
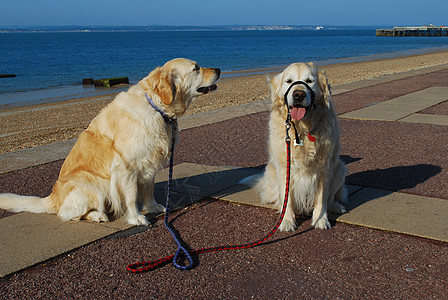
pixel 50 66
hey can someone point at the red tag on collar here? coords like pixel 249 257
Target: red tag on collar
pixel 311 138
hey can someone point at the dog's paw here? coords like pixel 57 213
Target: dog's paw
pixel 337 207
pixel 287 226
pixel 96 216
pixel 138 220
pixel 321 223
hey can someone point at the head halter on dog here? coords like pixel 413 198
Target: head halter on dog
pixel 308 88
pixel 298 141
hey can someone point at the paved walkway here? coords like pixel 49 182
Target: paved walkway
pixel 28 239
pixel 406 108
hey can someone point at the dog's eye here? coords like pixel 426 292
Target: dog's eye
pixel 196 68
pixel 289 81
pixel 309 80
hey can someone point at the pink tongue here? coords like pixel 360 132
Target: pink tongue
pixel 298 113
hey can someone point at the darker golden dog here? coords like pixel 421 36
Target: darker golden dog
pixel 115 160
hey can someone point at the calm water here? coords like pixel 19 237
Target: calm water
pixel 50 66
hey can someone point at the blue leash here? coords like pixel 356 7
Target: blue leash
pixel 180 249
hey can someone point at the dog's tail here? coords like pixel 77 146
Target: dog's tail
pixel 17 203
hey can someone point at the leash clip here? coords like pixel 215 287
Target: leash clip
pixel 300 143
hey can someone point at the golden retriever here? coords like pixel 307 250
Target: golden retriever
pixel 317 173
pixel 112 166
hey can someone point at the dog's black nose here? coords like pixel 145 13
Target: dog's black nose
pixel 298 95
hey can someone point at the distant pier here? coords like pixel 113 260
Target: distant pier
pixel 414 31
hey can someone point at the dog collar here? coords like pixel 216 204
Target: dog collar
pixel 165 117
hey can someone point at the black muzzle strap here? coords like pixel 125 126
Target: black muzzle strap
pixel 307 87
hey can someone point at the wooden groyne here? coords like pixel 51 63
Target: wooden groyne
pixel 106 82
pixel 7 75
pixel 109 82
pixel 414 31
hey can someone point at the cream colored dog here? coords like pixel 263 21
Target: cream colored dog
pixel 317 173
pixel 114 161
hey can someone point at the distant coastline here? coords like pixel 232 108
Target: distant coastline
pixel 76 28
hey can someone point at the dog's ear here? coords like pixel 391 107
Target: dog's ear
pixel 165 87
pixel 162 83
pixel 275 83
pixel 324 88
pixel 276 97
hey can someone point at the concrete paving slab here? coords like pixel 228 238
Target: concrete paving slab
pixel 424 98
pixel 199 181
pixel 381 112
pixel 177 200
pixel 26 158
pixel 242 194
pixel 426 119
pixel 339 90
pixel 401 107
pixel 39 237
pixel 398 212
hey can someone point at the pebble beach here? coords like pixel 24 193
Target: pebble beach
pixel 30 126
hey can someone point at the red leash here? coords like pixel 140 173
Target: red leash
pixel 141 267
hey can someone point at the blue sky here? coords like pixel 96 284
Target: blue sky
pixel 222 12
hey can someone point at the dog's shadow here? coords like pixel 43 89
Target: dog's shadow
pixel 388 180
pixel 188 190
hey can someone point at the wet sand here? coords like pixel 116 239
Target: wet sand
pixel 30 126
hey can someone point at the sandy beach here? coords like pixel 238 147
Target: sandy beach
pixel 30 126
